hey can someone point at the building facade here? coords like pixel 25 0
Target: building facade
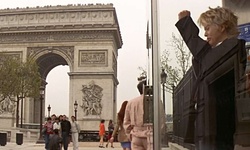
pixel 84 37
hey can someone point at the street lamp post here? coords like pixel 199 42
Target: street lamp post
pixel 75 107
pixel 41 140
pixel 49 108
pixel 163 81
pixel 21 97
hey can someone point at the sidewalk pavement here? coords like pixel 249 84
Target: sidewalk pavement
pixel 34 146
pixel 82 146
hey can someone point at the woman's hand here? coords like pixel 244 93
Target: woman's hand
pixel 130 137
pixel 183 14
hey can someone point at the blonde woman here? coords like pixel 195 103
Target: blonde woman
pixel 221 32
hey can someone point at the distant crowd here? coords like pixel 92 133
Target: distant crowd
pixel 58 132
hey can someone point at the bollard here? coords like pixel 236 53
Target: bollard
pixel 19 138
pixel 3 137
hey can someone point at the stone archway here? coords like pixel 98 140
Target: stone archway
pixel 84 37
pixel 47 58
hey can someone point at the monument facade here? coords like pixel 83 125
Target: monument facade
pixel 84 37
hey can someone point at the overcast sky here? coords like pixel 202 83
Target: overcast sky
pixel 132 16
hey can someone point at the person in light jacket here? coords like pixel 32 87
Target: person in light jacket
pixel 75 130
pixel 140 133
pixel 133 124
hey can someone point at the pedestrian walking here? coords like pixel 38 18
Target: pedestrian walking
pixel 110 131
pixel 101 133
pixel 122 137
pixel 49 131
pixel 66 127
pixel 75 130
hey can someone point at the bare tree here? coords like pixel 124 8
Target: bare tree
pixel 143 71
pixel 175 68
pixel 179 66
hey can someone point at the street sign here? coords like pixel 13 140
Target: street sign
pixel 244 32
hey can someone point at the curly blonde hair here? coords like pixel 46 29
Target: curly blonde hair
pixel 222 17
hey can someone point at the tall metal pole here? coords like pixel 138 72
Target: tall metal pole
pixel 41 115
pixel 163 94
pixel 49 108
pixel 156 74
pixel 17 112
pixel 21 112
pixel 75 113
pixel 42 93
pixel 40 140
pixel 75 107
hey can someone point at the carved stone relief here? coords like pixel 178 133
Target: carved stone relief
pixel 56 18
pixel 66 50
pixel 14 55
pixel 93 58
pixel 7 105
pixel 91 100
pixel 53 36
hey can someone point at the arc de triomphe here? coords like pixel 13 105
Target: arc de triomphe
pixel 84 37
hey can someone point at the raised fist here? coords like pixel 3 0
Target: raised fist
pixel 183 14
